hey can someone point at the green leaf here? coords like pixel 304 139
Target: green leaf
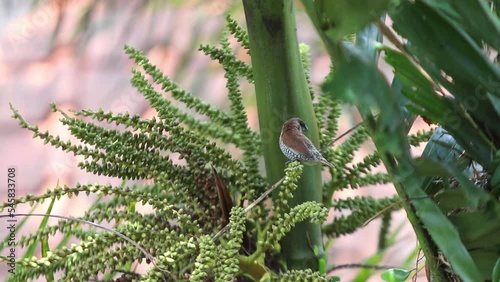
pixel 495 176
pixel 370 92
pixel 475 195
pixel 495 101
pixel 442 147
pixel 478 19
pixel 415 86
pixel 43 225
pixel 443 110
pixel 452 58
pixel 480 233
pixel 395 275
pixel 447 238
pixel 266 278
pixel 450 200
pixel 478 229
pixel 496 271
pixel 485 261
pixel 343 17
pixel 437 41
pixel 44 242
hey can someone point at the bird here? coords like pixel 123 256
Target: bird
pixel 296 146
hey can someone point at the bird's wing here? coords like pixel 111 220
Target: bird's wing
pixel 312 149
pixel 300 144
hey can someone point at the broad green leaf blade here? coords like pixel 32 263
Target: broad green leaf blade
pixel 45 240
pixel 343 17
pixel 43 225
pixel 444 110
pixel 409 117
pixel 450 200
pixel 415 86
pixel 358 81
pixel 395 275
pixel 485 261
pixel 496 271
pixel 495 101
pixel 31 249
pixel 480 232
pixel 447 239
pixel 477 228
pixel 442 44
pixel 495 176
pixel 442 147
pixel 478 19
pixel 475 195
pixel 453 59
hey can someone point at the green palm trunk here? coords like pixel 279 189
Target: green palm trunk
pixel 282 92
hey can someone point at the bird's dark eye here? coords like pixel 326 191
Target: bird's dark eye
pixel 303 126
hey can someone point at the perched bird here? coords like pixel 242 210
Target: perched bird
pixel 296 146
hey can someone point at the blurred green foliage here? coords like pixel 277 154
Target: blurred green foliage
pixel 446 71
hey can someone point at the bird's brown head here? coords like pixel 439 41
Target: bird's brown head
pixel 295 124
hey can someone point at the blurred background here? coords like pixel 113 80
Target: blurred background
pixel 71 53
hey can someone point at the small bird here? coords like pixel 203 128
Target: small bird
pixel 296 146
